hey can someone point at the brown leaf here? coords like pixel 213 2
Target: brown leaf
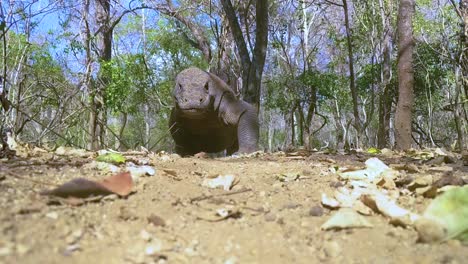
pixel 120 184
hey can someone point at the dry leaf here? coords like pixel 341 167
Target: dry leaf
pixel 329 202
pixel 120 184
pixel 381 203
pixel 225 181
pixel 345 218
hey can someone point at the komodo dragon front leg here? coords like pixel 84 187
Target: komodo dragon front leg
pixel 244 116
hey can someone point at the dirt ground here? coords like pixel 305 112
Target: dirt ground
pixel 171 218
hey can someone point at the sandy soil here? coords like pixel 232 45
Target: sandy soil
pixel 170 217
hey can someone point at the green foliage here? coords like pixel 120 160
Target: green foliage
pixel 431 73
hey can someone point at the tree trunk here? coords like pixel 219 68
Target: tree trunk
pixel 403 115
pixel 385 102
pixel 352 82
pixel 104 46
pixel 252 68
pixel 464 44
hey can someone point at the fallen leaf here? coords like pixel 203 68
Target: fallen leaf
pixel 387 183
pixel 409 167
pixel 114 158
pixel 102 166
pixel 140 171
pixel 345 218
pixel 288 177
pixel 373 151
pixel 428 191
pixel 225 181
pixel 329 202
pixel 375 169
pixel 120 184
pixel 361 208
pixel 420 182
pixel 68 151
pixel 441 169
pixel 381 203
pixel 449 179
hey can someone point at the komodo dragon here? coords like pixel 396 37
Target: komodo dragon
pixel 207 116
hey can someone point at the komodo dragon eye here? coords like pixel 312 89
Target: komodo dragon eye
pixel 206 86
pixel 180 86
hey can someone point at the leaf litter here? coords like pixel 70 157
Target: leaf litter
pixel 377 193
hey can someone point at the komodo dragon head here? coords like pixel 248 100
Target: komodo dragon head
pixel 196 92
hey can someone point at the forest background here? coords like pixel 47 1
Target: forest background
pixel 323 73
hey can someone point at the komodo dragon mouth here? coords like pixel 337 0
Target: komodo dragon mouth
pixel 193 112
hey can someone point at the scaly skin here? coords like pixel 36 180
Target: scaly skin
pixel 208 117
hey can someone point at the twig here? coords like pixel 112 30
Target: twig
pixel 205 197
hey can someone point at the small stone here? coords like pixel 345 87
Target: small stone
pixel 5 251
pixel 52 215
pixel 316 211
pixel 231 260
pixel 74 237
pixel 429 231
pixel 454 243
pixel 145 235
pixel 190 252
pixel 126 214
pixel 21 249
pixel 450 160
pixel 153 248
pixel 270 217
pixel 336 184
pixel 437 161
pixel 280 221
pixel 331 249
pixel 156 220
pixel 291 205
pixel 70 249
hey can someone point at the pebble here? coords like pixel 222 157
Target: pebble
pixel 74 237
pixel 291 205
pixel 454 243
pixel 21 249
pixel 156 220
pixel 5 251
pixel 153 248
pixel 331 249
pixel 270 217
pixel 231 260
pixel 145 235
pixel 316 211
pixel 52 215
